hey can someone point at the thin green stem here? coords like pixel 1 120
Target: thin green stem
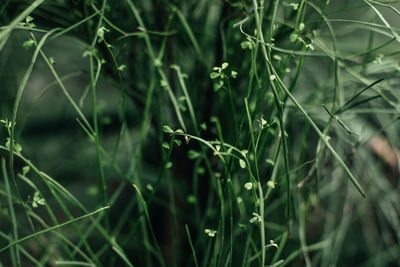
pixel 52 228
pixel 196 264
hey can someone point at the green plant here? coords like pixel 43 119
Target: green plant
pixel 205 133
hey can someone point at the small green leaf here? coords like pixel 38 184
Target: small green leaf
pixel 248 185
pixel 179 131
pixel 18 147
pixel 149 187
pixel 245 44
pixel 271 244
pixel 200 170
pixel 178 142
pixel 217 86
pixel 167 129
pixel 38 200
pixel 262 122
pixel 28 19
pixel 191 199
pixel 234 74
pixel 256 218
pixel 293 37
pixel 295 6
pixel 163 84
pixel 157 62
pixel 41 202
pixel 8 143
pixel 271 184
pixel 210 233
pixel 214 75
pixel 277 57
pixel 168 165
pixel 224 65
pixel 100 33
pixel 182 103
pixel 192 154
pixel 270 162
pixel 25 170
pixel 92 190
pixel 242 163
pixel 28 44
pixel 122 67
pixel 165 145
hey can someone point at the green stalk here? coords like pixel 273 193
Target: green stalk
pixel 12 131
pixel 298 106
pixel 100 169
pixel 54 185
pixel 94 78
pixel 147 215
pixel 5 34
pixel 15 254
pixel 278 105
pixel 158 64
pixel 253 143
pixel 262 224
pixel 196 264
pixel 52 228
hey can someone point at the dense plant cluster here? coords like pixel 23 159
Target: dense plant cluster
pixel 199 133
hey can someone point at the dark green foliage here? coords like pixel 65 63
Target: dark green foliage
pixel 199 133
